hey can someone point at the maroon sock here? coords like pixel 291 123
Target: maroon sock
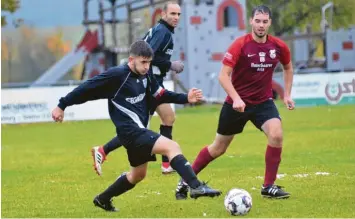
pixel 272 162
pixel 202 160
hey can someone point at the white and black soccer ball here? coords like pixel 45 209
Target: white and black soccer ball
pixel 238 202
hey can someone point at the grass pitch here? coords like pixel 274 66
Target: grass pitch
pixel 47 168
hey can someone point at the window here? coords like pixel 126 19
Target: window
pixel 230 17
pixel 230 14
pixel 207 2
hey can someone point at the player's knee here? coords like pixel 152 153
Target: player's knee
pixel 168 119
pixel 275 137
pixel 222 149
pixel 218 148
pixel 139 176
pixel 136 177
pixel 173 149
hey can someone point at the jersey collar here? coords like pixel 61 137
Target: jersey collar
pixel 167 25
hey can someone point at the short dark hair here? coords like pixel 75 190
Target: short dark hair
pixel 141 48
pixel 166 5
pixel 262 9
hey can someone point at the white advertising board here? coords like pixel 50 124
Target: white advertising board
pixel 321 89
pixel 29 105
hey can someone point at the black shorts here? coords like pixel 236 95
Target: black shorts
pixel 139 143
pixel 232 122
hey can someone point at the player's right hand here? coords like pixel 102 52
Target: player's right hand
pixel 177 66
pixel 239 105
pixel 58 114
pixel 195 95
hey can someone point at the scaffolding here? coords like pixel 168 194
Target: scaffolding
pixel 129 5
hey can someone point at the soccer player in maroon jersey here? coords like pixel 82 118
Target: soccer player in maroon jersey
pixel 246 76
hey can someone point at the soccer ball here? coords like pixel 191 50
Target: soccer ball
pixel 238 202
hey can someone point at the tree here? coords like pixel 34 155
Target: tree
pixel 9 6
pixel 287 15
pixel 31 53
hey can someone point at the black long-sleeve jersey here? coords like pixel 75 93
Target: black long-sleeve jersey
pixel 131 96
pixel 160 38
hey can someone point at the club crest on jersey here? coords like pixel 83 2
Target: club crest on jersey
pixel 145 82
pixel 272 53
pixel 262 56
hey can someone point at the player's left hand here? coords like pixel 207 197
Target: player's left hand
pixel 58 114
pixel 177 66
pixel 194 95
pixel 290 104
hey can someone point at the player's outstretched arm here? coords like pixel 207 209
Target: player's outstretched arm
pixel 162 95
pixel 165 96
pixel 101 86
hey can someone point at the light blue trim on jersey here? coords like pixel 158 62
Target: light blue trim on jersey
pixel 130 113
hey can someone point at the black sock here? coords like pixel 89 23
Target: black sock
pixel 184 169
pixel 120 186
pixel 112 145
pixel 166 131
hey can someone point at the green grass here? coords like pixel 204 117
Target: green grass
pixel 47 168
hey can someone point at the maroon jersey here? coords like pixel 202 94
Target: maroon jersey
pixel 253 66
